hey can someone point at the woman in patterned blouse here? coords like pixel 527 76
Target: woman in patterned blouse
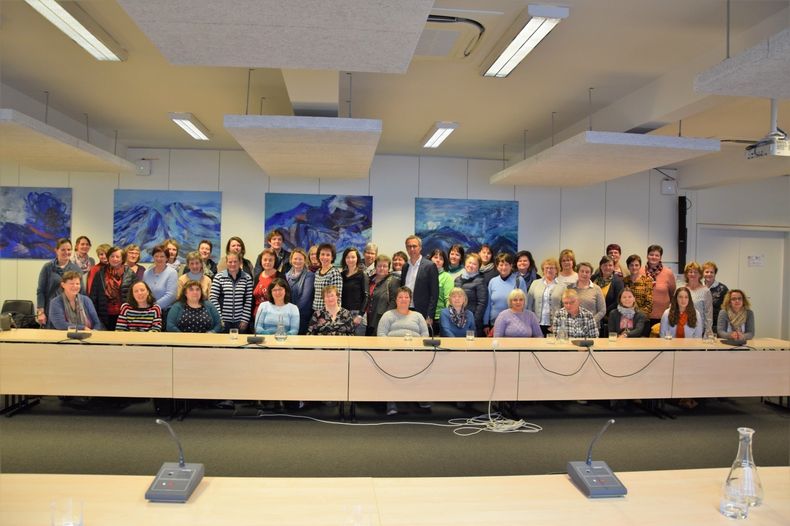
pixel 641 286
pixel 331 319
pixel 192 312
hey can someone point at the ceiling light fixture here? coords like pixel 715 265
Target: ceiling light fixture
pixel 438 133
pixel 70 18
pixel 541 20
pixel 191 125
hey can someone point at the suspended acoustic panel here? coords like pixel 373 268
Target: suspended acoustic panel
pixel 33 143
pixel 377 36
pixel 328 147
pixel 760 71
pixel 592 157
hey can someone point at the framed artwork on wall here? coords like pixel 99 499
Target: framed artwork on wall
pixel 32 220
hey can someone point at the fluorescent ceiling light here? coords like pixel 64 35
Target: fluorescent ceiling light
pixel 438 133
pixel 542 20
pixel 191 125
pixel 81 28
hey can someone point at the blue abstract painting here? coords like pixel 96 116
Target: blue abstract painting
pixel 148 217
pixel 307 219
pixel 442 223
pixel 32 220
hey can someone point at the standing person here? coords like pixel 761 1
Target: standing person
pixel 80 256
pixel 421 277
pixel 327 275
pixel 717 290
pixel 331 319
pixel 455 260
pixel 51 276
pixel 382 290
pixel 544 296
pixel 312 259
pixel 193 312
pixel 577 321
pixel 474 286
pixel 700 295
pixel 205 247
pixel 370 253
pixel 614 251
pixel 525 266
pixel 516 321
pixel 487 263
pixel 456 320
pixel 72 308
pixel 663 282
pixel 279 310
pixel 162 280
pixel 140 313
pixel 110 288
pixel 611 286
pixel 681 319
pixel 736 318
pixel 500 287
pixel 445 281
pixel 236 245
pixel 131 258
pixel 355 288
pixel 301 282
pixel 231 294
pixel 281 256
pixel 173 260
pixel 641 285
pixel 101 258
pixel 195 271
pixel 399 259
pixel 567 274
pixel 267 273
pixel 627 320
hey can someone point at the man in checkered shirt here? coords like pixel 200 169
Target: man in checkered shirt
pixel 578 321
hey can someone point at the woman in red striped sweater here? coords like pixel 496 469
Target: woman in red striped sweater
pixel 140 313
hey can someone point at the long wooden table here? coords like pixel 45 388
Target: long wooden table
pixel 173 365
pixel 682 497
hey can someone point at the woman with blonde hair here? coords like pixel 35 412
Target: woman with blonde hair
pixel 544 296
pixel 736 319
pixel 455 319
pixel 700 294
pixel 517 321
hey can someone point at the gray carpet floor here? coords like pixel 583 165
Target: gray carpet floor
pixel 56 438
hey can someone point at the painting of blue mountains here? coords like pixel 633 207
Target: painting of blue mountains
pixel 148 217
pixel 308 219
pixel 442 223
pixel 32 220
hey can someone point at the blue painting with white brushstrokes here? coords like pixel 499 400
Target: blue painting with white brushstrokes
pixel 148 217
pixel 441 223
pixel 32 220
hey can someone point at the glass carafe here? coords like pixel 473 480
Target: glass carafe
pixel 742 487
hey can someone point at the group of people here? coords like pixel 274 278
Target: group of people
pixel 448 293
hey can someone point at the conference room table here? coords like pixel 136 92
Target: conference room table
pixel 354 369
pixel 674 497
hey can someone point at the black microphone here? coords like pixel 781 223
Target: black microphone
pixel 78 335
pixel 178 442
pixel 596 479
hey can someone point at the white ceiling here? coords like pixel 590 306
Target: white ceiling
pixel 621 48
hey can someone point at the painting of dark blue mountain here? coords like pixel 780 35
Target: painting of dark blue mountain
pixel 442 223
pixel 308 219
pixel 148 217
pixel 32 220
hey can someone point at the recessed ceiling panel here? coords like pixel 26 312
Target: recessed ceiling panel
pixel 377 36
pixel 33 143
pixel 760 71
pixel 592 157
pixel 329 147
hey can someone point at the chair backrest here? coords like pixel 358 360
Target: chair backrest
pixel 18 306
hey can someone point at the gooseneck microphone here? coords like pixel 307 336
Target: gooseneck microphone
pixel 181 450
pixel 594 440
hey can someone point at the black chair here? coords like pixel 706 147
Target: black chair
pixel 23 313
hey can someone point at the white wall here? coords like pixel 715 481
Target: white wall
pixel 630 211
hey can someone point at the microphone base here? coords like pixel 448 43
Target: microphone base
pixel 174 483
pixel 595 481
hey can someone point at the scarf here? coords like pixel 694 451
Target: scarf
pixel 487 267
pixel 654 272
pixel 458 318
pixel 737 319
pixel 625 312
pixel 602 281
pixel 112 283
pixel 454 268
pixel 680 331
pixel 75 316
pixel 466 275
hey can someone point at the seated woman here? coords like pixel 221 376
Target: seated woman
pixel 139 313
pixel 681 319
pixel 475 287
pixel 627 320
pixel 331 319
pixel 278 310
pixel 517 321
pixel 195 271
pixel 193 312
pixel 72 308
pixel 401 321
pixel 110 288
pixel 455 320
pixel 736 318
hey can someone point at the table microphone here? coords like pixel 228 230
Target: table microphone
pixel 596 479
pixel 78 335
pixel 175 482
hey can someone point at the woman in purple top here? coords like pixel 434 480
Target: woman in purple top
pixel 516 321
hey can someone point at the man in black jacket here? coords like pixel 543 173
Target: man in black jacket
pixel 422 277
